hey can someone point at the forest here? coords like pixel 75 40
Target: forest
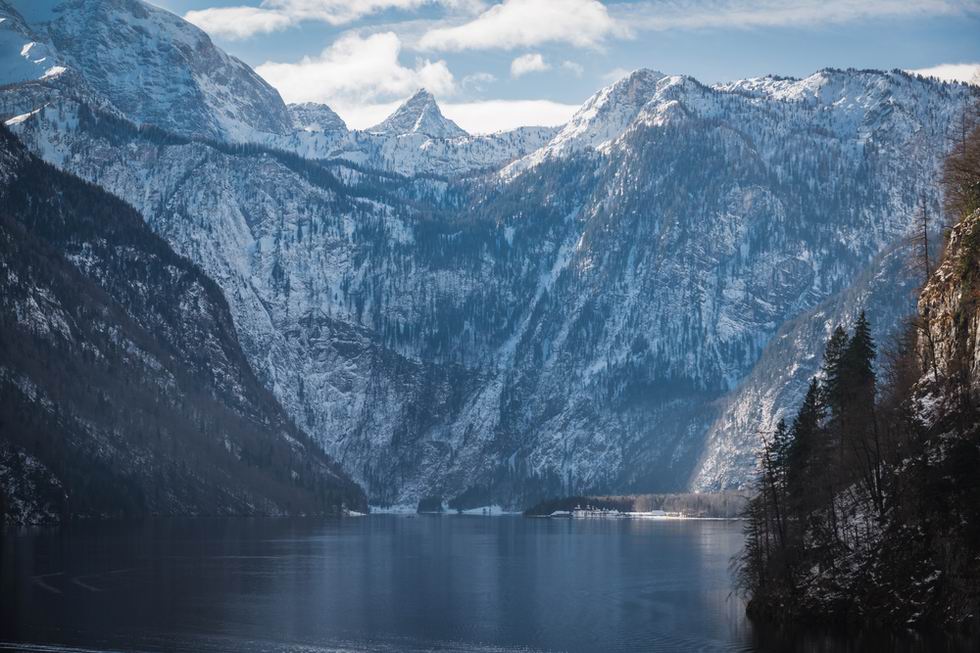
pixel 717 505
pixel 867 504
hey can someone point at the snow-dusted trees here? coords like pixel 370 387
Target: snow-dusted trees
pixel 868 506
pixel 849 520
pixel 798 527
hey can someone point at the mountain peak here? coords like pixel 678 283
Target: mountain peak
pixel 419 114
pixel 640 76
pixel 315 117
pixel 603 117
pixel 422 95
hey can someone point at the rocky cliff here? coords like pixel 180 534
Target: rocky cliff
pixel 949 310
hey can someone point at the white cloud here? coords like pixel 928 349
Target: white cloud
pixel 356 71
pixel 952 72
pixel 585 23
pixel 238 22
pixel 275 15
pixel 615 75
pixel 497 115
pixel 364 115
pixel 575 68
pixel 528 63
pixel 703 14
pixel 478 81
pixel 527 23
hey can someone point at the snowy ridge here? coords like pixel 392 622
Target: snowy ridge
pixel 414 153
pixel 153 68
pixel 601 119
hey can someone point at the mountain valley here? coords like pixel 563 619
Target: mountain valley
pixel 501 318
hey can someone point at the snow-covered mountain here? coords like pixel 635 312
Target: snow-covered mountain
pixel 543 311
pixel 140 62
pixel 125 390
pixel 25 58
pixel 419 114
pixel 315 117
pixel 603 118
pixel 147 64
pixel 416 139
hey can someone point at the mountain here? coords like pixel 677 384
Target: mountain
pixel 886 289
pixel 419 114
pixel 417 153
pixel 24 58
pixel 139 62
pixel 148 65
pixel 415 140
pixel 315 117
pixel 604 117
pixel 512 316
pixel 124 388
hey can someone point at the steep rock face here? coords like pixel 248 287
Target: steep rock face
pixel 885 290
pixel 786 214
pixel 302 302
pixel 949 307
pixel 150 65
pixel 123 379
pixel 23 57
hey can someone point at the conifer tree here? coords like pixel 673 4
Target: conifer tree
pixel 862 444
pixel 805 440
pixel 857 362
pixel 833 354
pixel 781 441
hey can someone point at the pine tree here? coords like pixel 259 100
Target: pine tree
pixel 781 442
pixel 861 439
pixel 805 436
pixel 833 354
pixel 857 362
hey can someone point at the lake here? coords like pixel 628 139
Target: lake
pixel 384 583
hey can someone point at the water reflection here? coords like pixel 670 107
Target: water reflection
pixel 383 583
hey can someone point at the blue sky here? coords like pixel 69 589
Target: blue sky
pixel 496 64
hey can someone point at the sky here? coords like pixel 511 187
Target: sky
pixel 498 64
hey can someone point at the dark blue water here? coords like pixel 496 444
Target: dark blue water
pixel 384 583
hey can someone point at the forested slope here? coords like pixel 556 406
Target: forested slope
pixel 123 388
pixel 868 504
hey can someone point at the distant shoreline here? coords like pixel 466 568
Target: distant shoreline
pixel 717 506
